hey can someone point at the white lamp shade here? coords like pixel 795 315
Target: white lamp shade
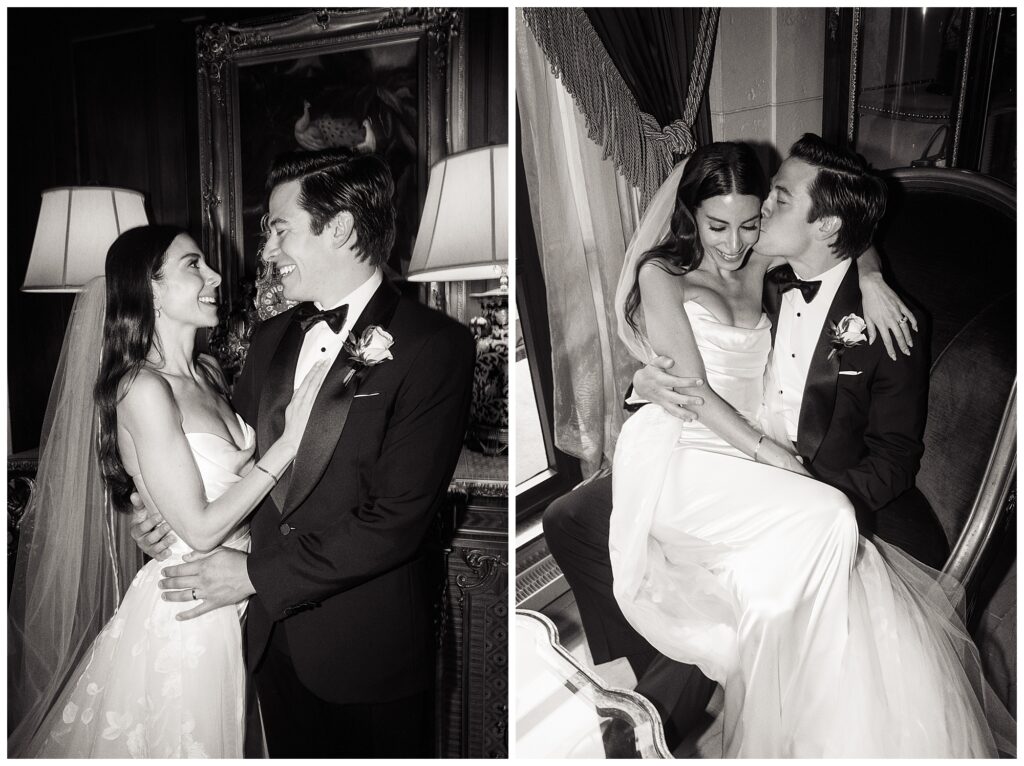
pixel 77 225
pixel 464 229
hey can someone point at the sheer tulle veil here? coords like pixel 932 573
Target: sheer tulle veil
pixel 75 554
pixel 654 227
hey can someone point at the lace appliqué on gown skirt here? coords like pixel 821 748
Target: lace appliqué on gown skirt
pixel 152 686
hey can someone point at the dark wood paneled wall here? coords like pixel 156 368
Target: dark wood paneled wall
pixel 108 96
pixel 487 75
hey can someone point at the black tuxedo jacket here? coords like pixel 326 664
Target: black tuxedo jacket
pixel 861 432
pixel 339 549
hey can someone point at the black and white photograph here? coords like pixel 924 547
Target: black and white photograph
pixel 257 383
pixel 765 393
pixel 740 415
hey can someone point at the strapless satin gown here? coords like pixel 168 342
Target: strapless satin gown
pixel 826 644
pixel 152 686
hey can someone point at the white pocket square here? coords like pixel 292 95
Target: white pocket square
pixel 850 372
pixel 375 393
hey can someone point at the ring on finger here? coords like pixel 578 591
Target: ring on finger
pixel 194 596
pixel 904 319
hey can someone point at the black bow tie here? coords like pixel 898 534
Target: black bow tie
pixel 786 280
pixel 309 316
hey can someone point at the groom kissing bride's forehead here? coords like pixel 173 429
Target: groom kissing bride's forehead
pixel 339 626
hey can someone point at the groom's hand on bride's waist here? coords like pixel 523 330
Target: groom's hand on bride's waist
pixel 212 580
pixel 149 530
pixel 655 384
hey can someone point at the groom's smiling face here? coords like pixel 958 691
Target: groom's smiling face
pixel 307 262
pixel 785 230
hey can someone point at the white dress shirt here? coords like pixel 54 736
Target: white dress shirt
pixel 796 339
pixel 320 342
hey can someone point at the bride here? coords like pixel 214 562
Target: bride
pixel 726 554
pixel 135 405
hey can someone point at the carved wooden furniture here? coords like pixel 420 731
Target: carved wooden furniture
pixel 21 480
pixel 473 669
pixel 564 710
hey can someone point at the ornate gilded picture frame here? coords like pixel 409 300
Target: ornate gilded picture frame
pixel 372 79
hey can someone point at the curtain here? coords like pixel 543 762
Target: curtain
pixel 642 149
pixel 584 214
pixel 601 91
pixel 632 62
pixel 653 48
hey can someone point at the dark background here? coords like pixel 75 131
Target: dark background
pixel 108 96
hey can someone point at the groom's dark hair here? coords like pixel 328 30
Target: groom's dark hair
pixel 336 180
pixel 844 187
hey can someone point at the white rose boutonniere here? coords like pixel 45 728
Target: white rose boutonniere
pixel 847 333
pixel 370 349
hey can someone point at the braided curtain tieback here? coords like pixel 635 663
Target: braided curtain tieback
pixel 639 146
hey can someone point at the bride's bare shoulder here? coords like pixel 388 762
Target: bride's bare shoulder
pixel 659 274
pixel 144 385
pixel 146 397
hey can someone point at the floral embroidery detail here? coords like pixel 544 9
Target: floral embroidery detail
pixel 193 651
pixel 136 742
pixel 70 713
pixel 171 688
pixel 116 724
pixel 168 660
pixel 116 627
pixel 847 333
pixel 128 699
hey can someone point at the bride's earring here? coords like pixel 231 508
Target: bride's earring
pixel 157 309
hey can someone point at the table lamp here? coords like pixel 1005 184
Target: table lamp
pixel 463 235
pixel 77 225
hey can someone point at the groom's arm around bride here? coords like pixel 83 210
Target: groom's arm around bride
pixel 339 630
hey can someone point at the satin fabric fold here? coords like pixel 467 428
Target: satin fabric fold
pixel 827 644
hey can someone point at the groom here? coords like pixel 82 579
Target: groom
pixel 854 414
pixel 339 632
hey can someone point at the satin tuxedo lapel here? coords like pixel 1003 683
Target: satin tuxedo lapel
pixel 330 411
pixel 275 395
pixel 822 377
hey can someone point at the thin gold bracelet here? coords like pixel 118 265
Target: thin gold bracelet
pixel 756 447
pixel 268 473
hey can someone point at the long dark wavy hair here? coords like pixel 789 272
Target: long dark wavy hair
pixel 134 260
pixel 713 170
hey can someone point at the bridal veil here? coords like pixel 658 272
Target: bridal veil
pixel 76 556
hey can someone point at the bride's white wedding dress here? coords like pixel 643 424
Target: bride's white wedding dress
pixel 826 644
pixel 152 686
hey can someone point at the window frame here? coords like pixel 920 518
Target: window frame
pixel 563 473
